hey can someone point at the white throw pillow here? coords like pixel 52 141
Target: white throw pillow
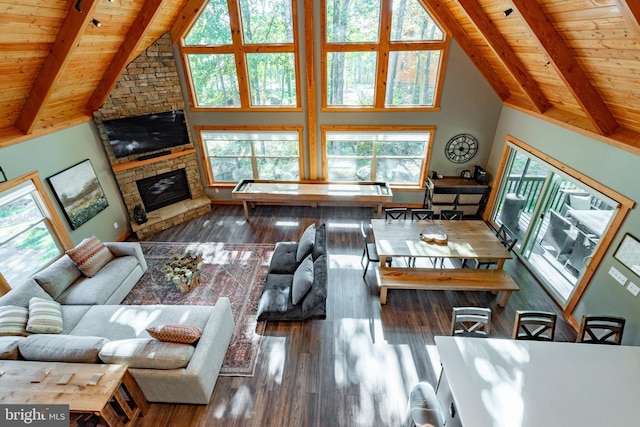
pixel 305 245
pixel 302 280
pixel 13 320
pixel 45 317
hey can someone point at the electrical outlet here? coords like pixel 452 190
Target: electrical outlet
pixel 115 225
pixel 620 278
pixel 633 288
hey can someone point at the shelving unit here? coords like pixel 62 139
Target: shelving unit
pixel 462 194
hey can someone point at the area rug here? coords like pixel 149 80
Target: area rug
pixel 235 271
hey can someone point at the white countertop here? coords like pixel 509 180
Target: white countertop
pixel 509 383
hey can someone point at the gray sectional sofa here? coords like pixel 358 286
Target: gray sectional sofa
pixel 95 329
pixel 277 300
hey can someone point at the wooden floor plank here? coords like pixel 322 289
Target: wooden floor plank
pixel 357 366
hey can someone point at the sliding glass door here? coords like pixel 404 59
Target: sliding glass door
pixel 558 220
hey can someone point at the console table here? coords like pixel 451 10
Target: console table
pixel 462 194
pixel 88 388
pixel 313 193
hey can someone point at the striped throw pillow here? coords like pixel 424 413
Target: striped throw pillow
pixel 13 320
pixel 90 256
pixel 176 333
pixel 45 317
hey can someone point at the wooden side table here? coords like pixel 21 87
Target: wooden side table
pixel 107 391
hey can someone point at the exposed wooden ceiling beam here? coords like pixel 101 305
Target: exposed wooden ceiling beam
pixel 440 12
pixel 186 18
pixel 149 11
pixel 66 42
pixel 631 11
pixel 506 54
pixel 565 64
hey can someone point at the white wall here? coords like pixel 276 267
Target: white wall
pixel 611 167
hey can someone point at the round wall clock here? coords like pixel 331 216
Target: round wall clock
pixel 461 148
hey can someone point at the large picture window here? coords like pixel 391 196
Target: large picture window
pixel 241 54
pixel 397 156
pixel 237 154
pixel 28 242
pixel 381 54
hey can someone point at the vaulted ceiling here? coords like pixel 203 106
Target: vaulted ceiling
pixel 572 62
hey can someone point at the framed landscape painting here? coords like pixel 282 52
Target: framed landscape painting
pixel 79 193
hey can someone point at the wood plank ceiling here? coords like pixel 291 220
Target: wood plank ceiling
pixel 572 62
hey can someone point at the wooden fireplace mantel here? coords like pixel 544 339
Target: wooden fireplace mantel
pixel 121 167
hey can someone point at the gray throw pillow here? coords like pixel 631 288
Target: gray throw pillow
pixel 56 278
pixel 302 280
pixel 305 245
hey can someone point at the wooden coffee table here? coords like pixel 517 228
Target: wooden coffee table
pixel 115 397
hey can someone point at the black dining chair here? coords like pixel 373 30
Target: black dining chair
pixel 451 214
pixel 601 330
pixel 369 250
pixel 534 325
pixel 507 239
pixel 471 321
pixel 421 214
pixel 395 213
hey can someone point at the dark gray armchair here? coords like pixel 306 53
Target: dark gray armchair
pixel 560 235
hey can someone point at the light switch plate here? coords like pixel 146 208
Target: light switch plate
pixel 620 278
pixel 633 288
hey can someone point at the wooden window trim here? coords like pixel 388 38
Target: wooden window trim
pixel 204 158
pixel 239 50
pixel 355 129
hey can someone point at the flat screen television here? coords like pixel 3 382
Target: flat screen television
pixel 144 134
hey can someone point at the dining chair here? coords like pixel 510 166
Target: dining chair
pixel 395 213
pixel 560 235
pixel 507 239
pixel 534 325
pixel 580 254
pixel 451 214
pixel 471 321
pixel 369 250
pixel 421 214
pixel 601 330
pixel 424 407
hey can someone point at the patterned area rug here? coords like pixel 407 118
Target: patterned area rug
pixel 235 271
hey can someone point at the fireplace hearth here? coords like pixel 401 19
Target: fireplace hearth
pixel 164 189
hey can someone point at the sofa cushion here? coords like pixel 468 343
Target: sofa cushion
pixel 176 333
pixel 305 245
pixel 118 322
pixel 302 280
pixel 283 260
pixel 13 320
pixel 314 304
pixel 9 348
pixel 58 276
pixel 320 245
pixel 45 317
pixel 22 293
pixel 62 348
pixel 98 289
pixel 90 256
pixel 580 202
pixel 147 353
pixel 276 297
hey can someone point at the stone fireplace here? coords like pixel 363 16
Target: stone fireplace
pixel 140 92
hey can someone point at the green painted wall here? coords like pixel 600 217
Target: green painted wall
pixel 55 152
pixel 613 168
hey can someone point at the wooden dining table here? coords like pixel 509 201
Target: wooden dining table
pixel 466 239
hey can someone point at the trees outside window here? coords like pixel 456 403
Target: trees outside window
pixel 245 153
pixel 241 54
pixel 373 64
pixel 377 154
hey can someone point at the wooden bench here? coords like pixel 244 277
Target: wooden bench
pixel 455 279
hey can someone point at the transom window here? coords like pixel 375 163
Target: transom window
pixel 381 54
pixel 398 157
pixel 234 155
pixel 27 241
pixel 242 54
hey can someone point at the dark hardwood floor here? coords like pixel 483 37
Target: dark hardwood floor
pixel 357 366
